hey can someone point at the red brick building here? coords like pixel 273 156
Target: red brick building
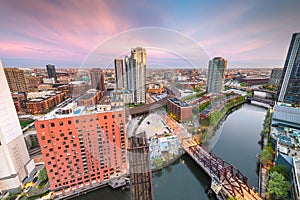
pixel 42 102
pixel 92 97
pixel 180 109
pixel 83 147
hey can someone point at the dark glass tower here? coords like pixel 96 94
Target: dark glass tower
pixel 51 72
pixel 290 80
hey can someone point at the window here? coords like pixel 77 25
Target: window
pixel 105 117
pixel 69 122
pixel 43 137
pixel 113 116
pixel 62 134
pixel 120 115
pixel 61 123
pixel 42 126
pixel 52 125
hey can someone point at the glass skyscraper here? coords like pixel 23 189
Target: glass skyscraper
pixel 216 70
pixel 290 80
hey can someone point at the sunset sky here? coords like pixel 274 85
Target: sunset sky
pixel 252 33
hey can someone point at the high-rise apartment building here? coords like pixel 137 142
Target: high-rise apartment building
pixel 130 74
pixel 216 71
pixel 139 58
pixel 119 73
pixel 97 79
pixel 275 76
pixel 135 67
pixel 14 158
pixel 51 72
pixel 290 80
pixel 15 79
pixel 82 147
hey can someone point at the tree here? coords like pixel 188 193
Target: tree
pixel 266 155
pixel 281 169
pixel 42 175
pixel 243 84
pixel 277 187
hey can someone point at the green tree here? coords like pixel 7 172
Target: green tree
pixel 277 187
pixel 281 169
pixel 266 155
pixel 243 84
pixel 42 175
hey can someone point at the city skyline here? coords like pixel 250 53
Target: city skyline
pixel 249 34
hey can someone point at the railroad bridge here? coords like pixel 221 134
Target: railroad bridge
pixel 231 181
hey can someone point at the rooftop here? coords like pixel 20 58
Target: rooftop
pixel 179 103
pixel 286 115
pixel 72 110
pixel 43 94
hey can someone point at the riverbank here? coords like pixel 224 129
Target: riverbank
pixel 211 126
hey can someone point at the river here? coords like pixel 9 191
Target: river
pixel 236 141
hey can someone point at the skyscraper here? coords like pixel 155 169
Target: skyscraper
pixel 290 80
pixel 275 76
pixel 97 79
pixel 216 71
pixel 82 146
pixel 130 74
pixel 139 58
pixel 135 68
pixel 51 72
pixel 14 158
pixel 15 79
pixel 119 73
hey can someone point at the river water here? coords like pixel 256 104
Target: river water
pixel 236 141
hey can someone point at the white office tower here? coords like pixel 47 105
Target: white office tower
pixel 138 55
pixel 15 164
pixel 215 79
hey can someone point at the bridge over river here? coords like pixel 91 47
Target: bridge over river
pixel 230 181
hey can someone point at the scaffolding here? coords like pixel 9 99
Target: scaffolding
pixel 139 168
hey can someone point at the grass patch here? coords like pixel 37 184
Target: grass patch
pixel 26 123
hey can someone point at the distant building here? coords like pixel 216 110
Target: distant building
pixel 289 85
pixel 14 158
pixel 135 68
pixel 119 73
pixel 216 71
pixel 125 96
pixel 155 88
pixel 42 102
pixel 82 147
pixel 180 109
pixel 51 72
pixel 275 76
pixel 33 82
pixel 77 88
pixel 97 79
pixel 15 79
pixel 92 97
pixel 130 73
